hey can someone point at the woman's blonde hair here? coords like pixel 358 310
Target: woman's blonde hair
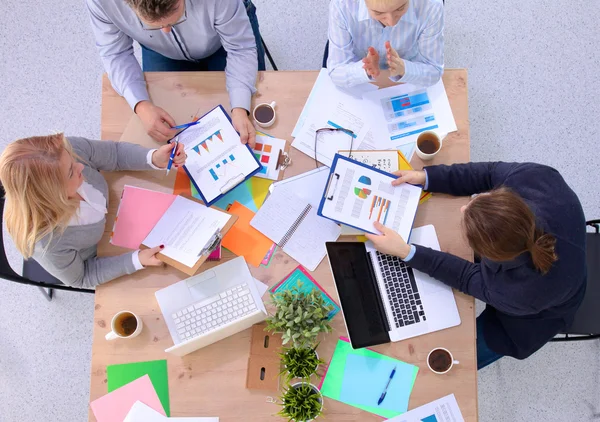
pixel 35 186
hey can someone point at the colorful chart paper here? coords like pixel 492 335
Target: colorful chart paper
pixel 120 375
pixel 308 285
pixel 333 382
pixel 251 194
pixel 267 150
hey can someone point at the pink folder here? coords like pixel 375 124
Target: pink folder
pixel 139 211
pixel 115 406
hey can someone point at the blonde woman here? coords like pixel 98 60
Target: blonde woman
pixel 56 202
pixel 399 39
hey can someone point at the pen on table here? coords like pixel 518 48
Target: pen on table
pixel 386 387
pixel 186 125
pixel 173 151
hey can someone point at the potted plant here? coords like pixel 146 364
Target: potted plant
pixel 299 316
pixel 301 402
pixel 299 362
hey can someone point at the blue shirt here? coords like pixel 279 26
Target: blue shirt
pixel 210 24
pixel 418 38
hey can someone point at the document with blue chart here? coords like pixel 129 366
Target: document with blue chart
pixel 407 110
pixel 444 409
pixel 216 159
pixel 358 195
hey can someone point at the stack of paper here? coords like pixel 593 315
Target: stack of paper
pixel 358 377
pixel 140 412
pixel 441 410
pixel 115 406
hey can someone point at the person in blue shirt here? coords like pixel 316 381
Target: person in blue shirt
pixel 528 228
pixel 399 39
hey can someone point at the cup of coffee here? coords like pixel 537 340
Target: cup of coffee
pixel 428 145
pixel 125 324
pixel 440 360
pixel 264 114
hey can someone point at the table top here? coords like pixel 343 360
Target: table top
pixel 211 381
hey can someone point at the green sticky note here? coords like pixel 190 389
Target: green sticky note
pixel 120 375
pixel 334 378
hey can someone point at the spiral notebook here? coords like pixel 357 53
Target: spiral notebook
pixel 294 225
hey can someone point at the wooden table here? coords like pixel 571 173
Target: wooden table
pixel 211 381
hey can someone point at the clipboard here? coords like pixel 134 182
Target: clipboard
pixel 334 181
pixel 233 181
pixel 283 158
pixel 213 243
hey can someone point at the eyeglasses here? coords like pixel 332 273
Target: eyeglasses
pixel 158 28
pixel 319 133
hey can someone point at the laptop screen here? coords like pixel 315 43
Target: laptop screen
pixel 359 293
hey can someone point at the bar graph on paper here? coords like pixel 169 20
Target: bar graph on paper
pixel 408 114
pixel 219 169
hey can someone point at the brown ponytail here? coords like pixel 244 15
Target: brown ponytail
pixel 500 226
pixel 542 251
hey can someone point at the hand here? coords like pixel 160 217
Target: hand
pixel 160 157
pixel 242 123
pixel 157 122
pixel 389 242
pixel 371 63
pixel 395 63
pixel 148 256
pixel 414 177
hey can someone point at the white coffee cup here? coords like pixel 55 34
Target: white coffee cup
pixel 125 324
pixel 451 359
pixel 269 107
pixel 430 138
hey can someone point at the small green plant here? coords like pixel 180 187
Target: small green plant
pixel 301 402
pixel 299 316
pixel 299 362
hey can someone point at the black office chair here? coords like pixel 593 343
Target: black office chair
pixel 260 42
pixel 586 325
pixel 33 273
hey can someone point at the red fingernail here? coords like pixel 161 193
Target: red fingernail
pixel 178 153
pixel 162 246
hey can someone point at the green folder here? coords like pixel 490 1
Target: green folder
pixel 120 375
pixel 333 381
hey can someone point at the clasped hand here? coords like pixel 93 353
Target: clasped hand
pixel 394 62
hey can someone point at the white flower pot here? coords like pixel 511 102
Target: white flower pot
pixel 314 389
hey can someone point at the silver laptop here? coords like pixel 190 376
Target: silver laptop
pixel 211 306
pixel 383 299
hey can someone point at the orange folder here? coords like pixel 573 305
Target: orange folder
pixel 243 239
pixel 182 183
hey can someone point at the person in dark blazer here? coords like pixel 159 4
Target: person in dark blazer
pixel 528 228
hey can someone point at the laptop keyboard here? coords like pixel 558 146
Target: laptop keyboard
pixel 214 312
pixel 402 291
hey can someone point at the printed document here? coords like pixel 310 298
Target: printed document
pixel 186 228
pixel 404 111
pixel 358 196
pixel 441 410
pixel 216 159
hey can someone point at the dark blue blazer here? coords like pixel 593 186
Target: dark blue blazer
pixel 525 308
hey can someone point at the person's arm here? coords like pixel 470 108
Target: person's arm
pixel 468 179
pixel 343 67
pixel 112 156
pixel 233 26
pixel 69 267
pixel 116 52
pixel 456 272
pixel 427 67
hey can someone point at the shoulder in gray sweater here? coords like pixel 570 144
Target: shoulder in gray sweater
pixel 70 256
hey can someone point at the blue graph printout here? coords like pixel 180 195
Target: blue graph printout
pixel 408 114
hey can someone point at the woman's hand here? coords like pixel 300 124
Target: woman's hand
pixel 371 63
pixel 160 157
pixel 394 61
pixel 148 257
pixel 414 177
pixel 389 242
